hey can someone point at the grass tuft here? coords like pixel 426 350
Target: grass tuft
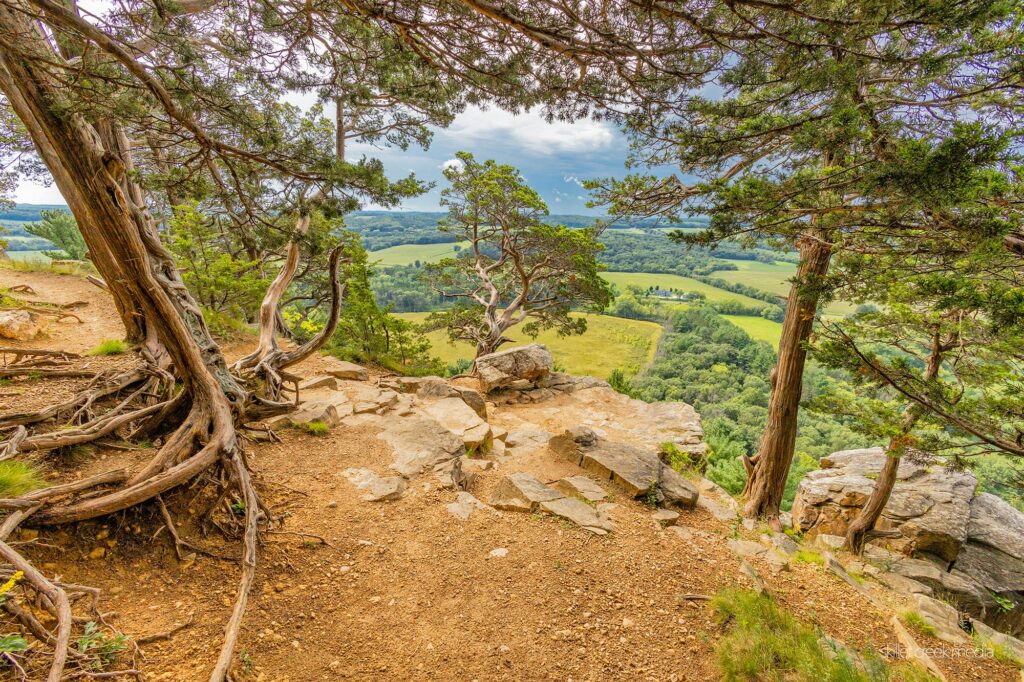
pixel 765 642
pixel 916 621
pixel 1000 652
pixel 110 347
pixel 18 478
pixel 314 428
pixel 806 556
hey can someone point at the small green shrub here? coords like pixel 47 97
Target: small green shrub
pixel 12 644
pixel 917 622
pixel 110 347
pixel 18 478
pixel 460 366
pixel 651 495
pixel 314 428
pixel 620 382
pixel 1002 602
pixel 684 462
pixel 102 647
pixel 226 327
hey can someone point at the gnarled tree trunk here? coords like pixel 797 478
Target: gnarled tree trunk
pixel 862 528
pixel 199 402
pixel 768 469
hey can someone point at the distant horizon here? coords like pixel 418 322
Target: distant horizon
pixel 41 206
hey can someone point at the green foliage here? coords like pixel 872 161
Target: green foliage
pixel 110 347
pixel 651 495
pixel 806 556
pixel 460 366
pixel 1003 603
pixel 18 478
pixel 225 326
pixel 517 268
pixel 916 621
pixel 617 380
pixel 1000 476
pixel 60 228
pixel 764 642
pixel 215 266
pixel 100 646
pixel 683 462
pixel 314 428
pixel 715 366
pixel 1000 652
pixel 12 644
pixel 368 333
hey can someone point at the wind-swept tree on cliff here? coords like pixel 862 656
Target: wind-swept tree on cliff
pixel 790 153
pixel 515 267
pixel 148 104
pixel 936 358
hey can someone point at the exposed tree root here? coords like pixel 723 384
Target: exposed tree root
pixel 197 420
pixel 58 603
pixel 199 427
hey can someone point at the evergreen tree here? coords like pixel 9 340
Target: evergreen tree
pixel 59 228
pixel 516 267
pixel 798 148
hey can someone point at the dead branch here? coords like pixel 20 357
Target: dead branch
pixel 166 634
pixel 10 447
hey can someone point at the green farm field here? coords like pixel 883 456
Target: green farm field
pixel 646 279
pixel 609 343
pixel 28 255
pixel 759 328
pixel 770 277
pixel 407 254
pixel 773 278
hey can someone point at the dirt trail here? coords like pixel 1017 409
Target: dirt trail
pixel 349 589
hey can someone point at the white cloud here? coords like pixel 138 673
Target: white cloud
pixel 453 163
pixel 573 179
pixel 530 133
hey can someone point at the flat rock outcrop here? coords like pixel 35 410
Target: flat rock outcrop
pixel 635 468
pixel 340 369
pixel 421 444
pixel 523 492
pixel 524 363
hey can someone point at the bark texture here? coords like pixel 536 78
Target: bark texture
pixel 768 469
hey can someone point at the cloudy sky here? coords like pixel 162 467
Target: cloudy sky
pixel 552 156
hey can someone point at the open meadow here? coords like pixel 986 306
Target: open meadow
pixel 648 279
pixel 407 254
pixel 759 328
pixel 609 343
pixel 770 277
